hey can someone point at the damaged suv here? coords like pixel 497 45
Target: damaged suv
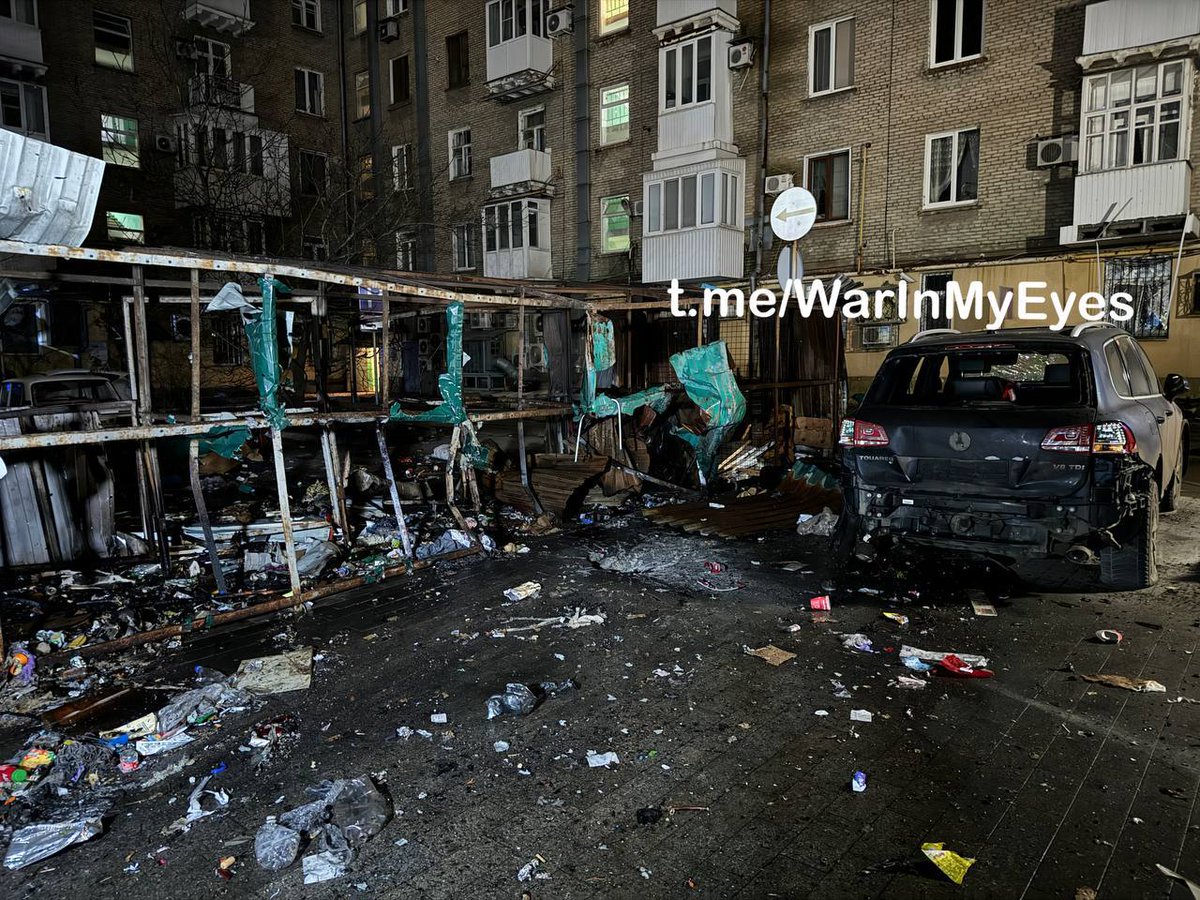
pixel 1015 445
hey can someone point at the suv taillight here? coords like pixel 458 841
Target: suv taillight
pixel 1105 437
pixel 857 433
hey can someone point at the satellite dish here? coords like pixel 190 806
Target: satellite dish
pixel 784 268
pixel 793 214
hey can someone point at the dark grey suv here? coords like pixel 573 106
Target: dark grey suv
pixel 1018 444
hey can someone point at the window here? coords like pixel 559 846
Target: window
pixel 254 161
pixel 312 173
pixel 362 95
pixel 533 128
pixel 693 200
pixel 313 247
pixel 360 16
pixel 399 79
pixel 310 92
pixel 614 224
pixel 936 282
pixel 126 228
pixel 464 252
pixel 406 252
pixel 952 168
pixel 366 177
pixel 119 141
pixel 458 60
pixel 394 7
pixel 614 15
pixel 24 11
pixel 508 20
pixel 614 114
pixel 957 30
pixel 114 41
pixel 828 179
pixel 212 57
pixel 687 73
pixel 460 153
pixel 307 14
pixel 23 107
pixel 402 167
pixel 831 57
pixel 1135 116
pixel 516 224
pixel 1147 279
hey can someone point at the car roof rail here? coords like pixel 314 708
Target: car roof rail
pixel 928 332
pixel 1084 326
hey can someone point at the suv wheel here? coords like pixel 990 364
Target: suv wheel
pixel 1170 500
pixel 1134 565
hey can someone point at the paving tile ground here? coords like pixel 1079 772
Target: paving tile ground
pixel 1050 782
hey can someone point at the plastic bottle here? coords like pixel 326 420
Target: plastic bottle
pixel 128 759
pixel 205 675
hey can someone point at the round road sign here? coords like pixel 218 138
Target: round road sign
pixel 784 268
pixel 793 214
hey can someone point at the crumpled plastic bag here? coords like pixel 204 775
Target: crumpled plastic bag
pixel 952 865
pixel 317 555
pixel 33 843
pixel 199 704
pixel 331 859
pixel 308 816
pixel 359 811
pixel 822 524
pixel 276 846
pixel 517 699
pixel 453 539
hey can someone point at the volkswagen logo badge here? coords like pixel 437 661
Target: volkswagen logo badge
pixel 960 440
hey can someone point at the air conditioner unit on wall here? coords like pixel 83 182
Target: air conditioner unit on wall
pixel 558 21
pixel 164 143
pixel 1059 151
pixel 389 31
pixel 777 184
pixel 636 209
pixel 741 54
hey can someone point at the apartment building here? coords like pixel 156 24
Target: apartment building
pixel 999 141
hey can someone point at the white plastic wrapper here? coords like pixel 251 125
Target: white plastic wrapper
pixel 33 843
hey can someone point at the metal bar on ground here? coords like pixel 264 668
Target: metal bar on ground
pixel 202 511
pixel 285 512
pixel 405 538
pixel 337 498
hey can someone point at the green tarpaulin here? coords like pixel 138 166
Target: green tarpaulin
pixel 604 356
pixel 706 376
pixel 226 442
pixel 451 410
pixel 259 323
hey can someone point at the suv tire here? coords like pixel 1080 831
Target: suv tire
pixel 1170 500
pixel 1134 565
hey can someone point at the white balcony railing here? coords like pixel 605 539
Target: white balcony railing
pixel 230 16
pixel 527 52
pixel 1139 192
pixel 21 43
pixel 521 262
pixel 519 167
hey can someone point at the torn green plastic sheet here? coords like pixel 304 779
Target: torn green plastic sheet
pixel 226 442
pixel 261 336
pixel 603 357
pixel 451 410
pixel 705 374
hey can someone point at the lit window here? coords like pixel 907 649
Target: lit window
pixel 614 114
pixel 23 107
pixel 402 167
pixel 831 56
pixel 307 14
pixel 957 30
pixel 1133 116
pixel 366 177
pixel 127 228
pixel 362 95
pixel 464 251
pixel 360 16
pixel 614 15
pixel 614 224
pixel 310 92
pixel 119 141
pixel 827 178
pixel 400 79
pixel 114 41
pixel 460 153
pixel 952 167
pixel 687 73
pixel 533 129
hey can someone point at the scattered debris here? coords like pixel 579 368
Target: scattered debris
pixel 33 843
pixel 822 524
pixel 276 674
pixel 899 618
pixel 983 608
pixel 859 642
pixel 860 715
pixel 602 760
pixel 1141 685
pixel 820 603
pixel 1192 887
pixel 1109 636
pixel 951 864
pixel 957 666
pixel 524 591
pixel 858 782
pixel 770 653
pixel 931 656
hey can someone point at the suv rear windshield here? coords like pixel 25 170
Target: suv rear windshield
pixel 966 375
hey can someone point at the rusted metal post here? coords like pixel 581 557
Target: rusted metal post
pixel 385 366
pixel 285 512
pixel 337 497
pixel 195 327
pixel 405 538
pixel 148 451
pixel 202 511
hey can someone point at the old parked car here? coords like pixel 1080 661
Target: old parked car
pixel 1018 444
pixel 67 392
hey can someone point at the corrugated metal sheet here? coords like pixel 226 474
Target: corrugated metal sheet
pixel 1117 24
pixel 47 194
pixel 1139 192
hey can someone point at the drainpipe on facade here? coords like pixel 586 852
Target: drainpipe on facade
pixel 763 101
pixel 376 101
pixel 424 161
pixel 583 150
pixel 341 72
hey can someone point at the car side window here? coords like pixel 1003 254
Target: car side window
pixel 1117 370
pixel 1141 373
